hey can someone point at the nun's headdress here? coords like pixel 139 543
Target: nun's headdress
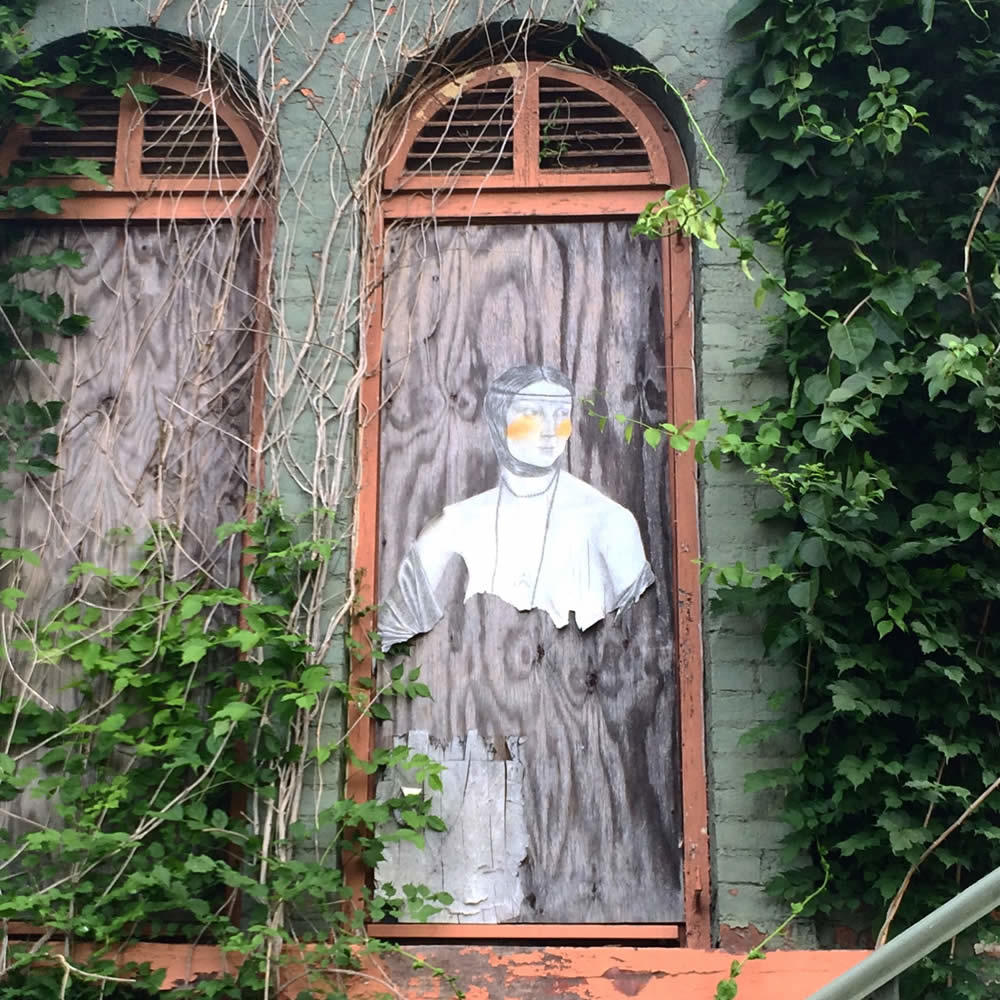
pixel 499 395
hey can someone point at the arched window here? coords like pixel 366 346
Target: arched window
pixel 190 153
pixel 161 394
pixel 566 682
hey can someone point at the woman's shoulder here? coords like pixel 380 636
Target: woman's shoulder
pixel 578 493
pixel 464 521
pixel 458 529
pixel 470 508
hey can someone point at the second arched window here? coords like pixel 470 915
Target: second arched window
pixel 520 550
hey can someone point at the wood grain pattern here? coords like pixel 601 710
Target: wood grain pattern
pixel 595 710
pixel 155 422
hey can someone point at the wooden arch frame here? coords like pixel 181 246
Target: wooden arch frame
pixel 666 160
pixel 529 193
pixel 132 194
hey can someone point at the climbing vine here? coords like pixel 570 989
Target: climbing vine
pixel 183 709
pixel 873 136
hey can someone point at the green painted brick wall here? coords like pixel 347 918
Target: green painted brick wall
pixel 690 45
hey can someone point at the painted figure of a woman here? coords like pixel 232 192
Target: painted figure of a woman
pixel 541 539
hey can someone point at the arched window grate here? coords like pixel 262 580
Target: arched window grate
pixel 474 133
pixel 534 125
pixel 581 130
pixel 187 141
pixel 97 138
pixel 182 137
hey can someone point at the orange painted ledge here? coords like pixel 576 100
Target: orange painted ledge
pixel 533 973
pixel 607 973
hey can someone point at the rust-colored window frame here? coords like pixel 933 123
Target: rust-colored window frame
pixel 529 192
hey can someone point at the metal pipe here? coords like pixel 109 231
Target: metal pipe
pixel 887 962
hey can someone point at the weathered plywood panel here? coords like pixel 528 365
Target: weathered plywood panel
pixel 155 424
pixel 593 712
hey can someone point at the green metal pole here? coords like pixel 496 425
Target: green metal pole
pixel 884 964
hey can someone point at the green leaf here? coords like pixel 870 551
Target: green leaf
pixel 10 596
pixel 800 594
pixel 764 98
pixel 863 233
pixel 795 300
pixel 762 171
pixel 652 437
pixel 926 8
pixel 113 723
pixel 856 770
pixel 851 386
pixel 90 169
pixel 852 343
pixel 726 990
pixel 817 388
pixel 144 93
pixel 45 201
pixel 199 863
pixel 31 558
pixel 237 711
pixel 194 650
pixel 895 294
pixel 741 10
pixel 794 156
pixel 893 35
pixel 813 551
pixel 190 606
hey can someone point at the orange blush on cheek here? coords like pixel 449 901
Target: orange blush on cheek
pixel 523 426
pixel 564 428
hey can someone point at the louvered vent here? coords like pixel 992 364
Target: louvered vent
pixel 97 139
pixel 580 130
pixel 472 135
pixel 182 137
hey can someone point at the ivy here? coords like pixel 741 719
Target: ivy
pixel 190 701
pixel 873 136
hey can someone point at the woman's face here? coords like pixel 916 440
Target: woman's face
pixel 538 423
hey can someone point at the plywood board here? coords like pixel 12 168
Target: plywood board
pixel 154 426
pixel 594 711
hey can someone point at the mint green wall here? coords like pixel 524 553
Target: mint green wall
pixel 317 261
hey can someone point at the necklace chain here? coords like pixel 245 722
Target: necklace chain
pixel 513 492
pixel 545 530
